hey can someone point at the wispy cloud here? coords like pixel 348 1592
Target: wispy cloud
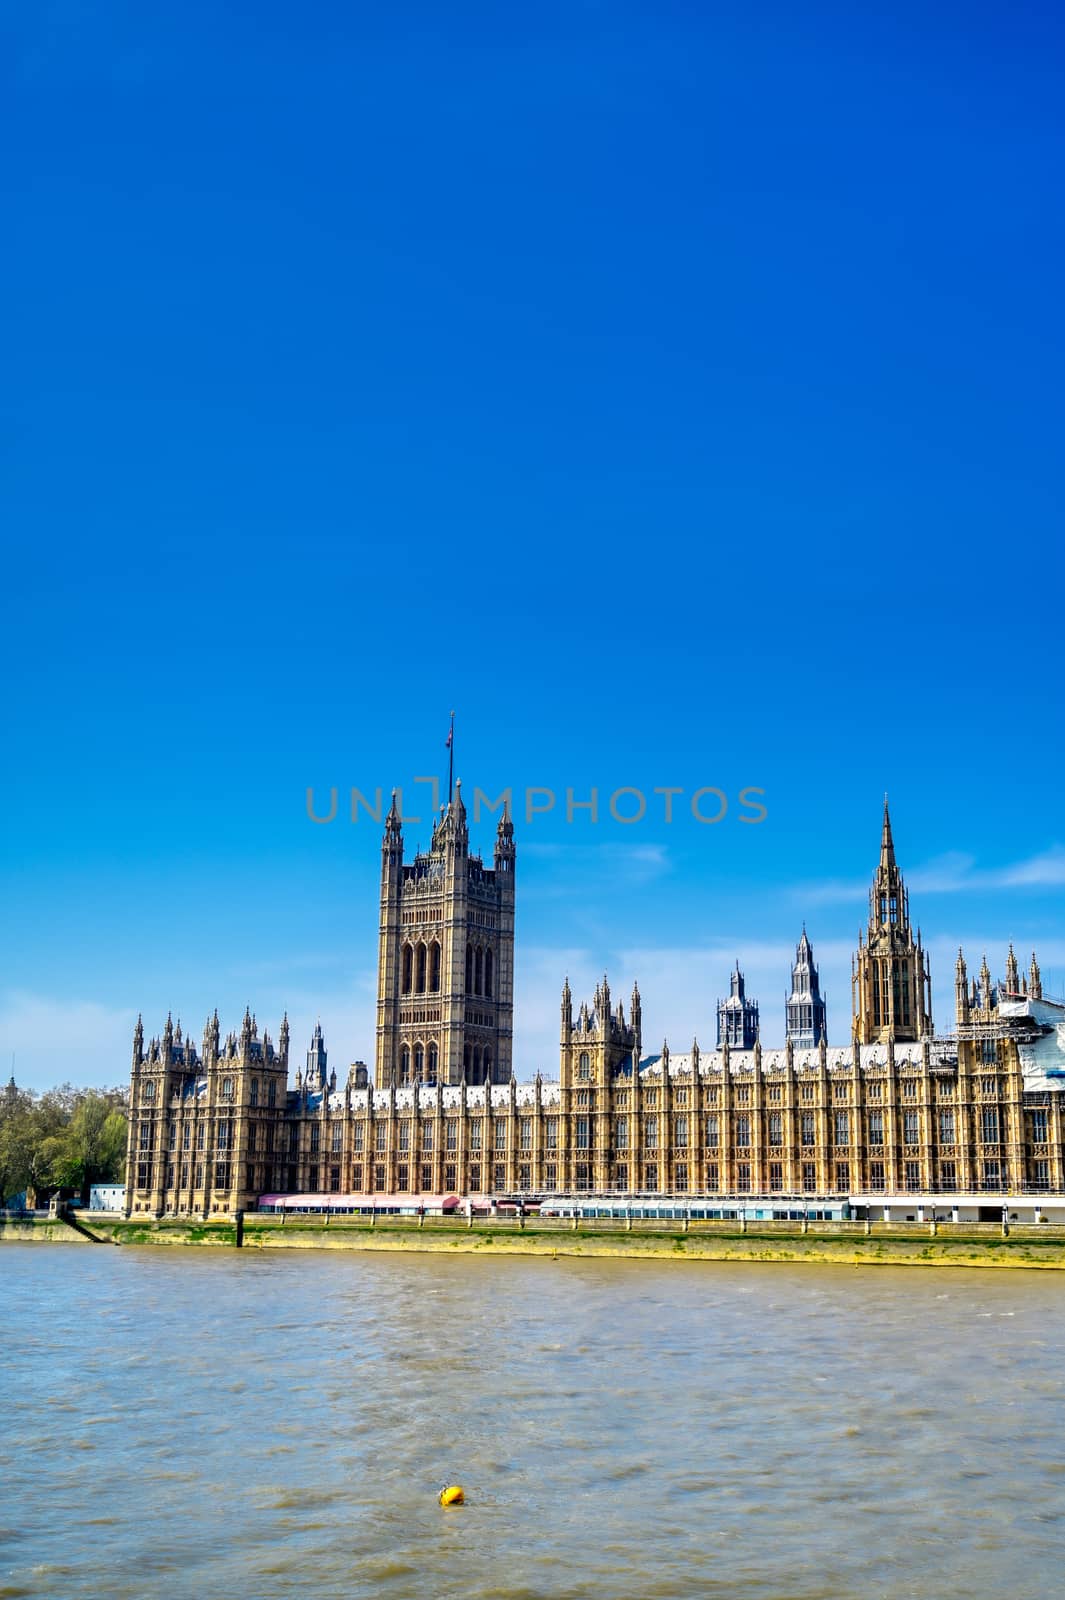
pixel 953 873
pixel 59 1041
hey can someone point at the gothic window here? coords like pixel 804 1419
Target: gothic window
pixel 451 1136
pixel 431 1074
pixel 427 1136
pixel 650 1132
pixel 271 1094
pixel 434 967
pixel 501 1133
pixel 946 1127
pixel 315 1138
pixel 806 1128
pixel 404 1135
pixel 621 1133
pixel 712 1130
pixel 475 1134
pixel 876 1128
pixel 478 971
pixel 584 1137
pixel 680 1132
pixel 584 1067
pixel 381 1136
pixel 989 1124
pixel 911 1127
pixel 477 1063
pixel 408 960
pixel 469 969
pixel 421 969
pixel 776 1129
pixel 1038 1127
pixel 551 1133
pixel 419 1063
pixel 843 1176
pixel 149 1090
pixel 227 1088
pixel 251 1139
pixel 680 1181
pixel 743 1131
pixel 404 1065
pixel 144 1136
pixel 488 973
pixel 843 1127
pixel 253 1097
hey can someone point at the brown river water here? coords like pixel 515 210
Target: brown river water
pixel 186 1423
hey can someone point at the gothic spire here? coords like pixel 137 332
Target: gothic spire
pixel 887 844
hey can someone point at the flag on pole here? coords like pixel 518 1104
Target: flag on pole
pixel 447 741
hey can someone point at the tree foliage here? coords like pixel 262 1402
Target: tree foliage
pixel 66 1139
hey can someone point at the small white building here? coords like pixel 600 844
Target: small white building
pixel 107 1197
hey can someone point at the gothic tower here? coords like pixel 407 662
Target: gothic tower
pixel 806 1025
pixel 891 983
pixel 445 978
pixel 737 1017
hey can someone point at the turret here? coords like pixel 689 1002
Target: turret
pixel 504 853
pixel 138 1042
pixel 1013 977
pixel 961 991
pixel 567 1010
pixel 1035 980
pixel 985 985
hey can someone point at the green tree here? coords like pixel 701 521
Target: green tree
pixel 91 1148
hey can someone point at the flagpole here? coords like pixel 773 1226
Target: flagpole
pixel 451 761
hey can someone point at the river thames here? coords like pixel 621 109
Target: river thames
pixel 184 1423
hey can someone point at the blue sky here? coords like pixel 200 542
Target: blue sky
pixel 675 391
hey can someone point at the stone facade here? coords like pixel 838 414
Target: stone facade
pixel 895 1111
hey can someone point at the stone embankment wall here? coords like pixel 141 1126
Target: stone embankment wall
pixel 843 1244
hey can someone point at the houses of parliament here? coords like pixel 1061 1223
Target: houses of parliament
pixel 896 1111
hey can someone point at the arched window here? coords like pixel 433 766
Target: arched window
pixel 407 956
pixel 478 971
pixel 469 969
pixel 488 973
pixel 466 1059
pixel 419 1064
pixel 421 969
pixel 404 1065
pixel 584 1067
pixel 434 966
pixel 431 1074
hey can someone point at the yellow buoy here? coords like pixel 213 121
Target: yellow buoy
pixel 452 1495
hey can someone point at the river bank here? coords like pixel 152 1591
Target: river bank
pixel 842 1244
